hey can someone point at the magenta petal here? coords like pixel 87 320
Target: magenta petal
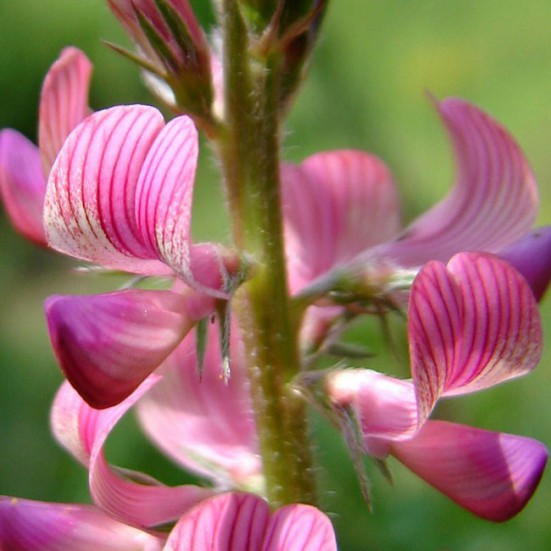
pixel 201 422
pixel 491 474
pixel 89 210
pixel 27 525
pixel 471 325
pixel 63 102
pixel 22 184
pixel 108 344
pixel 335 204
pixel 531 256
pixel 493 202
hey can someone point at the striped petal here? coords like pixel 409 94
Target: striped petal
pixel 63 102
pixel 22 184
pixel 27 525
pixel 492 204
pixel 108 344
pixel 127 496
pixel 335 204
pixel 201 422
pixel 491 474
pixel 471 325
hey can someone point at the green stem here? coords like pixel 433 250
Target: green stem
pixel 249 151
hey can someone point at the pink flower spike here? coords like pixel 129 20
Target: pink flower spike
pixel 22 184
pixel 492 204
pixel 491 474
pixel 27 525
pixel 235 521
pixel 335 204
pixel 108 344
pixel 471 325
pixel 531 256
pixel 83 431
pixel 63 102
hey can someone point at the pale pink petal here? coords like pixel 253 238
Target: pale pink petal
pixel 531 256
pixel 385 407
pixel 492 204
pixel 108 344
pixel 135 498
pixel 63 102
pixel 229 522
pixel 335 205
pixel 199 421
pixel 22 184
pixel 491 474
pixel 471 325
pixel 27 525
pixel 89 211
pixel 300 528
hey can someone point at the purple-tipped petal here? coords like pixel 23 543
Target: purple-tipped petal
pixel 471 325
pixel 491 474
pixel 531 256
pixel 89 210
pixel 201 422
pixel 492 204
pixel 63 102
pixel 108 344
pixel 27 525
pixel 83 431
pixel 336 204
pixel 22 184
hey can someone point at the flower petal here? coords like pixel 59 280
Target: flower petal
pixel 531 256
pixel 491 474
pixel 492 204
pixel 63 102
pixel 22 184
pixel 335 204
pixel 89 210
pixel 83 431
pixel 27 525
pixel 201 422
pixel 108 344
pixel 471 325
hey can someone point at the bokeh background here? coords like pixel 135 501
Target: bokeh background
pixel 367 89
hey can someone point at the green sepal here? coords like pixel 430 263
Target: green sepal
pixel 224 317
pixel 201 337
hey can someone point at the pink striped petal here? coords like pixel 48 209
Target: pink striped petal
pixel 491 474
pixel 27 525
pixel 108 344
pixel 471 325
pixel 83 431
pixel 531 256
pixel 63 102
pixel 90 205
pixel 336 204
pixel 201 422
pixel 22 184
pixel 385 407
pixel 492 204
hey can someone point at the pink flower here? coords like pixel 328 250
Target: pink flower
pixel 471 325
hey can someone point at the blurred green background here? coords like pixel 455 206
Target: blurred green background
pixel 366 90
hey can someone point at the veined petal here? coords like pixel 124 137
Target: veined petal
pixel 201 422
pixel 491 474
pixel 335 204
pixel 22 184
pixel 108 344
pixel 83 431
pixel 471 325
pixel 531 256
pixel 89 210
pixel 26 525
pixel 492 204
pixel 63 102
